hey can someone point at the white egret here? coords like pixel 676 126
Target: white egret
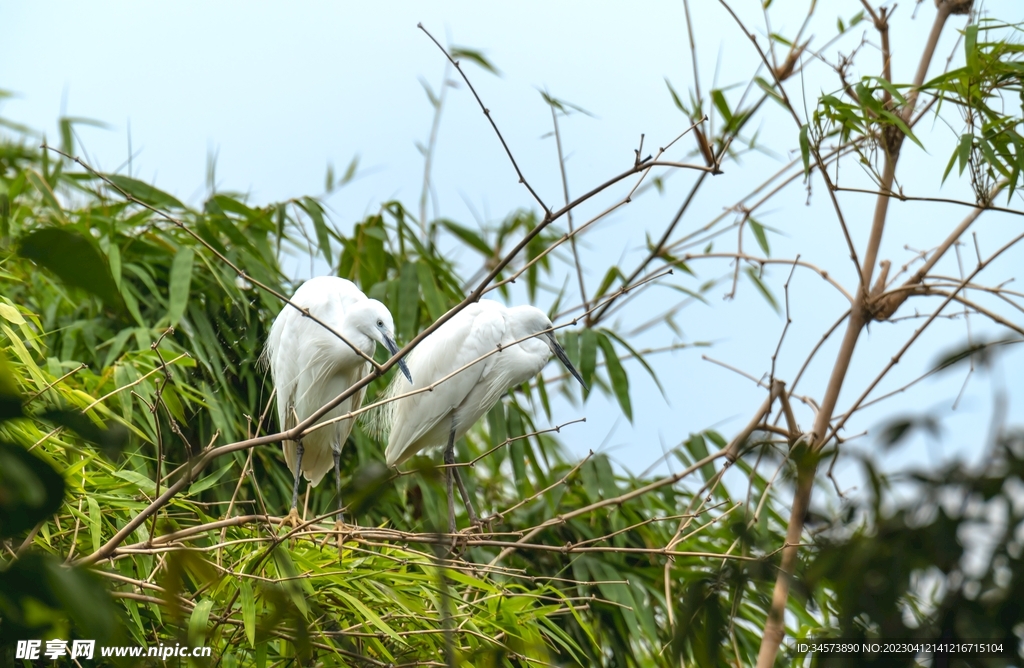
pixel 310 365
pixel 443 415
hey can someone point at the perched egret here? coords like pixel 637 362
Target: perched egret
pixel 310 365
pixel 443 415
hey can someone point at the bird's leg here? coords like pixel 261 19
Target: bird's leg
pixel 474 519
pixel 449 458
pixel 339 523
pixel 336 451
pixel 293 514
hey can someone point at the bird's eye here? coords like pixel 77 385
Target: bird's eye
pixel 380 323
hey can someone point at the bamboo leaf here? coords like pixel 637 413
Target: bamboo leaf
pixel 32 489
pixel 74 260
pixel 248 610
pixel 139 481
pixel 718 98
pixel 5 218
pixel 639 358
pixel 698 449
pixel 371 616
pixel 198 621
pixel 952 161
pixel 609 278
pixel 114 261
pixel 762 239
pixel 992 159
pixel 769 90
pixel 896 120
pixel 44 189
pixel 963 151
pixel 762 288
pixel 971 46
pixel 468 237
pixel 496 424
pixel 145 192
pixel 675 98
pixel 542 392
pixel 11 314
pixel 210 480
pixel 323 236
pixel 408 300
pixel 180 283
pixel 588 357
pixel 431 295
pixel 350 172
pixel 461 52
pixel 617 375
pixel 95 522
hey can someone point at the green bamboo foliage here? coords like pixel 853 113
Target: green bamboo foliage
pixel 133 346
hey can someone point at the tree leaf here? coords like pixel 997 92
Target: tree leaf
pixel 952 161
pixel 718 98
pixel 11 314
pixel 198 621
pixel 95 522
pixel 563 106
pixel 10 398
pixel 111 439
pixel 461 52
pixel 971 46
pixel 408 300
pixel 350 171
pixel 431 295
pixel 588 357
pixel 180 284
pixel 616 374
pixel 769 90
pixel 762 239
pixel 992 159
pixel 210 480
pixel 139 481
pixel 468 237
pixel 114 262
pixel 639 358
pixel 752 273
pixel 323 236
pixel 32 490
pixel 41 594
pixel 373 618
pixel 609 278
pixel 675 98
pixel 5 218
pixel 248 610
pixel 898 121
pixel 74 260
pixel 145 192
pixel 44 189
pixel 698 449
pixel 963 150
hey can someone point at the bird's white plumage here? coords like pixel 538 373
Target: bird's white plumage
pixel 310 365
pixel 424 420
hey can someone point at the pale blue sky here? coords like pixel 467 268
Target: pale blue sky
pixel 279 91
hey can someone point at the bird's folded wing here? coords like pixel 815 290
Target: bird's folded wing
pixel 458 343
pixel 293 336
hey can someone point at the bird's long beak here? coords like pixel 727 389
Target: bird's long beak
pixel 560 353
pixel 392 347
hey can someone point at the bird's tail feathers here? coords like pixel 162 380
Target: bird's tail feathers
pixel 263 361
pixel 379 420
